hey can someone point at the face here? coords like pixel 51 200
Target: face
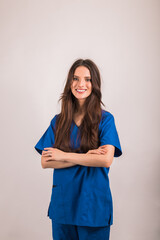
pixel 81 85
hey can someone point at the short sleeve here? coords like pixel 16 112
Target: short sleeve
pixel 47 139
pixel 108 133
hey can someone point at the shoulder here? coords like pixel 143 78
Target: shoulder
pixel 53 120
pixel 106 116
pixel 107 119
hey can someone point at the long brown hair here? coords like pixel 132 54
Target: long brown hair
pixel 92 106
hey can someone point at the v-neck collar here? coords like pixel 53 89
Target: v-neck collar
pixel 76 124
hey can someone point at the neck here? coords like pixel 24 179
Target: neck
pixel 80 107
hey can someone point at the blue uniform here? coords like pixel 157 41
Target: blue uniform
pixel 81 195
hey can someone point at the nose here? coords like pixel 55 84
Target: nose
pixel 81 82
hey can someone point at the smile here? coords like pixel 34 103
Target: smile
pixel 80 91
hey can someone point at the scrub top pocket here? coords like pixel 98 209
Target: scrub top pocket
pixel 56 210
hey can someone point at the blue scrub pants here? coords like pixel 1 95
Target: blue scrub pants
pixel 73 232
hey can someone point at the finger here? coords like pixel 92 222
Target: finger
pixel 98 150
pixel 46 152
pixel 47 159
pixel 103 151
pixel 95 151
pixel 101 147
pixel 47 156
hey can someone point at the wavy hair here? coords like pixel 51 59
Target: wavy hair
pixel 89 127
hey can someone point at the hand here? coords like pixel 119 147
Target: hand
pixel 100 150
pixel 52 154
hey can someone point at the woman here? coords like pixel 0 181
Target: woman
pixel 79 145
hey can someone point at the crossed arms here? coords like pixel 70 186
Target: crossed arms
pixel 100 157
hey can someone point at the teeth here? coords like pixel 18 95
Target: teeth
pixel 80 90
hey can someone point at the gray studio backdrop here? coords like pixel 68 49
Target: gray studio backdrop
pixel 39 42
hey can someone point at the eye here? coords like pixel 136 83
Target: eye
pixel 75 78
pixel 88 79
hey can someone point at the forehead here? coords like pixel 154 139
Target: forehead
pixel 82 71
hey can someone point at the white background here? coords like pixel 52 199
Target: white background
pixel 39 41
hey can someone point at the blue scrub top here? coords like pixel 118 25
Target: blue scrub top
pixel 81 195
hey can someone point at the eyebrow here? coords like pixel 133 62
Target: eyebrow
pixel 85 77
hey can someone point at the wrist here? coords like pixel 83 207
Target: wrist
pixel 65 156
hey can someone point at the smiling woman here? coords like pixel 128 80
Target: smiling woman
pixel 80 144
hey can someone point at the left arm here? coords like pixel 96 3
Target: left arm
pixel 85 159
